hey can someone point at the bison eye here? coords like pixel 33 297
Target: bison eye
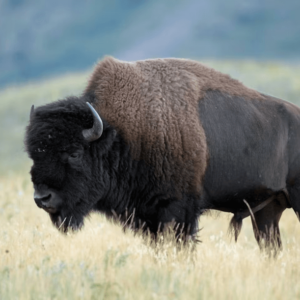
pixel 74 155
pixel 74 158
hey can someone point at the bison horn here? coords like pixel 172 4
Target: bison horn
pixel 95 132
pixel 31 112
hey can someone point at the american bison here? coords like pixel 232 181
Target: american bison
pixel 155 141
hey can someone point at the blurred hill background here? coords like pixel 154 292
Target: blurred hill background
pixel 48 48
pixel 45 38
pixel 47 51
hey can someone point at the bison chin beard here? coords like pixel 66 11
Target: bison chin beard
pixel 66 223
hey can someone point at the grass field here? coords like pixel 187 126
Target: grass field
pixel 103 262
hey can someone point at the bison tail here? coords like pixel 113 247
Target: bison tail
pixel 235 226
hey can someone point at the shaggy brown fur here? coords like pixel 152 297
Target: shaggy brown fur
pixel 154 104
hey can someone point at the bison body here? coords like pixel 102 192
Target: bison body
pixel 178 139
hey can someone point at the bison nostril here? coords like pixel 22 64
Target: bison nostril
pixel 42 199
pixel 46 198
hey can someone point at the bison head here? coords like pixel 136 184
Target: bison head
pixel 61 140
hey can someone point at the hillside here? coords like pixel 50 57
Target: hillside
pixel 280 80
pixel 43 38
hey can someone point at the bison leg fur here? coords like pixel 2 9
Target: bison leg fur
pixel 235 226
pixel 266 224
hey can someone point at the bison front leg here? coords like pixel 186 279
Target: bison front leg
pixel 183 218
pixel 266 224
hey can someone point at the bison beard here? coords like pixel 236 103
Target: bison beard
pixel 178 138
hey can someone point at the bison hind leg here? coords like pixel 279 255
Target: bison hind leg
pixel 235 226
pixel 266 224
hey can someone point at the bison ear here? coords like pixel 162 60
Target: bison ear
pixel 31 113
pixel 95 132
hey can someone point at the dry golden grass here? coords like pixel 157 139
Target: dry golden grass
pixel 103 262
